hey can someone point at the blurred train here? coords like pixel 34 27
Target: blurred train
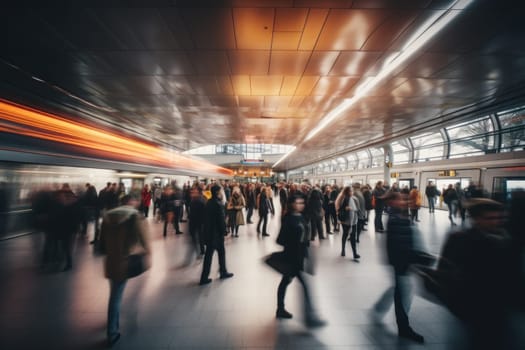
pixel 497 174
pixel 18 182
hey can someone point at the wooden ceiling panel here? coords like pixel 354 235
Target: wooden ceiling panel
pixel 253 28
pixel 306 85
pixel 286 40
pixel 321 62
pixel 290 85
pixel 266 85
pixel 349 29
pixel 251 62
pixel 288 62
pixel 314 24
pixel 241 85
pixel 290 19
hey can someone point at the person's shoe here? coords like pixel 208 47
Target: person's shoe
pixel 265 234
pixel 226 275
pixel 330 232
pixel 178 233
pixel 181 220
pixel 113 340
pixel 315 322
pixel 250 222
pixel 411 335
pixel 343 254
pixel 322 237
pixel 282 313
pixel 93 242
pixel 357 256
pixel 204 282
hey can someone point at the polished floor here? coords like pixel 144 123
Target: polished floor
pixel 165 308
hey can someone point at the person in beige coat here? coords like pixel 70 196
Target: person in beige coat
pixel 122 234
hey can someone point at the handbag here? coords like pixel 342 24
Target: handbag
pixel 136 265
pixel 278 262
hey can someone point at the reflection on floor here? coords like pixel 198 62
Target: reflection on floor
pixel 166 309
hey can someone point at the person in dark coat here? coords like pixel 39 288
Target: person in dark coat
pixel 379 193
pixel 196 222
pixel 314 208
pixel 479 267
pixel 265 207
pixel 250 203
pixel 399 248
pixel 214 229
pixel 65 215
pixel 295 241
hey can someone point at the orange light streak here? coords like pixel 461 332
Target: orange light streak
pixel 41 125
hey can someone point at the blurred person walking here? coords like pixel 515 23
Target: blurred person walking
pixel 145 200
pixel 346 206
pixel 400 248
pixel 235 206
pixel 294 238
pixel 123 235
pixel 414 203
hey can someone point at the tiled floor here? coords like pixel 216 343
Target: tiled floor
pixel 166 309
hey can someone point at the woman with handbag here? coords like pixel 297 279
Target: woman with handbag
pixel 295 241
pixel 126 245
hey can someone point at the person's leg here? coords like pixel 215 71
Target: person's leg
pixel 265 224
pixel 346 229
pixel 327 219
pixel 115 298
pixel 259 223
pixel 281 292
pixel 353 244
pixel 165 225
pixel 402 302
pixel 378 220
pixel 319 224
pixel 206 265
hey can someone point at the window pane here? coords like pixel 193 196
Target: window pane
pixel 352 161
pixel 364 159
pixel 513 130
pixel 428 146
pixel 378 157
pixel 471 138
pixel 401 152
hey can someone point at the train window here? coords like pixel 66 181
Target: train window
pixel 428 146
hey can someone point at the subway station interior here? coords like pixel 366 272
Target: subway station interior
pixel 293 94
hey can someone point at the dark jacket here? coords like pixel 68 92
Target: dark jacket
pixel 293 237
pixel 214 222
pixel 399 242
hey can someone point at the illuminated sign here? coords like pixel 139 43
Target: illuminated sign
pixel 447 173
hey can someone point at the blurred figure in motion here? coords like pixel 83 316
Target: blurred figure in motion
pixel 478 276
pixel 450 197
pixel 399 249
pixel 122 234
pixel 196 224
pixel 145 200
pixel 295 240
pixel 265 206
pixel 4 206
pixel 214 230
pixel 414 198
pixel 65 217
pixel 167 208
pixel 89 203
